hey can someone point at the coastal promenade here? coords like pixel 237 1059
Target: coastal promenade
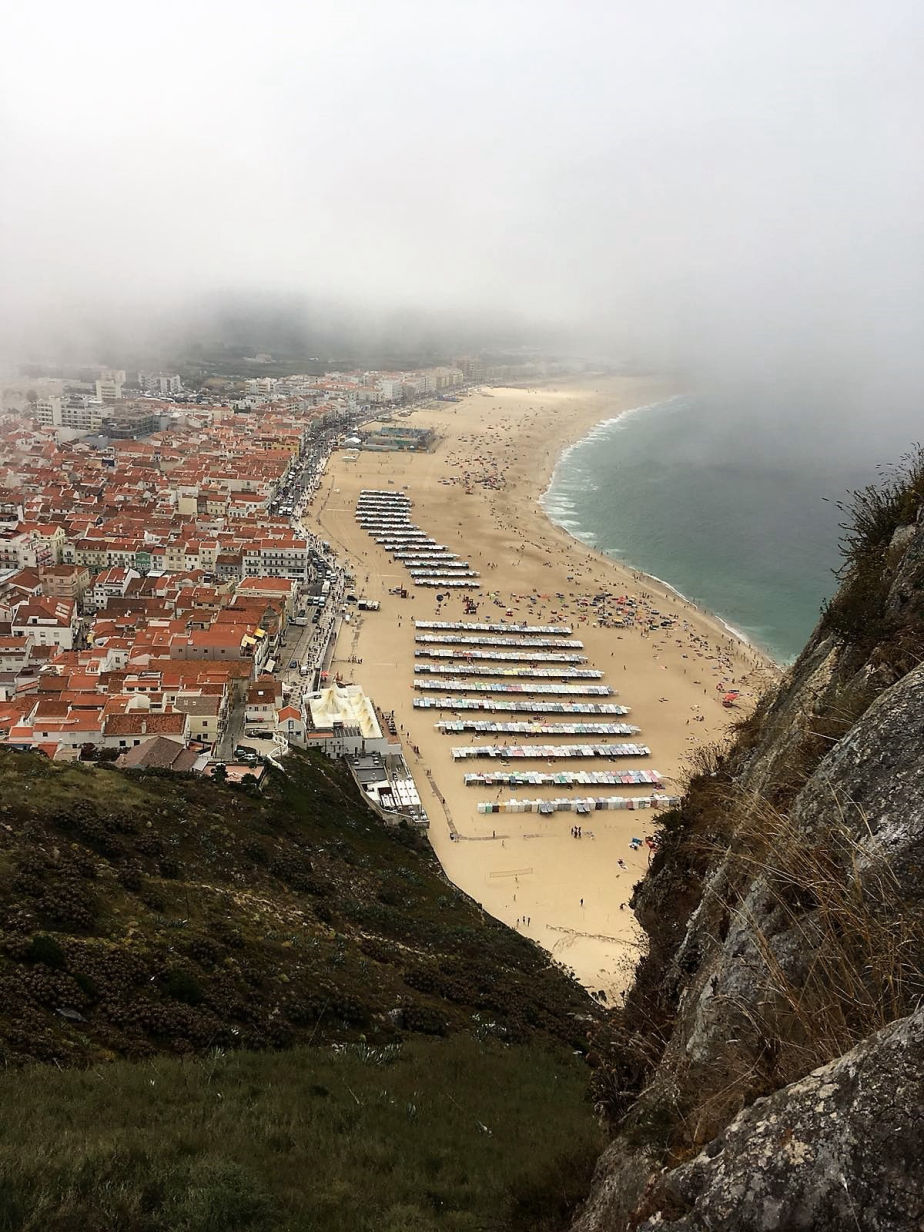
pixel 476 493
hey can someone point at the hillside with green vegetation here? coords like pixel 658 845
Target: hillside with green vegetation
pixel 456 1134
pixel 147 913
pixel 223 1008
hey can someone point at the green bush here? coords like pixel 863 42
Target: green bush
pixel 183 986
pixel 44 949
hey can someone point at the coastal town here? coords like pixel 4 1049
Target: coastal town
pixel 358 563
pixel 161 603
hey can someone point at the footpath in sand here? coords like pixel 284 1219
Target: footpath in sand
pixel 478 493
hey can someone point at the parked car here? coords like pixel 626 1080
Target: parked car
pixel 293 663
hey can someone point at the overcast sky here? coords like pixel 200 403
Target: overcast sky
pixel 740 182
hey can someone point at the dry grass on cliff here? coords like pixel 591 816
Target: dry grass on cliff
pixel 838 937
pixel 858 614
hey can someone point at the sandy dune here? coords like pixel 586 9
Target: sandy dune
pixel 477 492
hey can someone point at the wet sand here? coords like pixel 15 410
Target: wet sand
pixel 478 492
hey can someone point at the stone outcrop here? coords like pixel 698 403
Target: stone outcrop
pixel 768 1059
pixel 839 1149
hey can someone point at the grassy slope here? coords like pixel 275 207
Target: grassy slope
pixel 451 1134
pixel 183 916
pixel 414 1063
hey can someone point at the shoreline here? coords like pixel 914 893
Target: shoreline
pixel 637 571
pixel 479 491
pixel 659 585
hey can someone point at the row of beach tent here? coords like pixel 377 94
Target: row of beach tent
pixel 507 656
pixel 397 520
pixel 449 583
pixel 512 707
pixel 453 639
pixel 392 543
pixel 412 553
pixel 570 804
pixel 514 627
pixel 441 571
pixel 516 673
pixel 560 690
pixel 507 728
pixel 565 778
pixel 518 751
pixel 400 540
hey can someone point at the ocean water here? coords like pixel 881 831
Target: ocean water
pixel 690 492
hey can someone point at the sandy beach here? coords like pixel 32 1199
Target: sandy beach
pixel 478 492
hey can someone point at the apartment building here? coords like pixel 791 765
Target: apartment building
pixel 65 581
pixel 109 385
pixel 77 411
pixel 163 384
pixel 281 558
pixel 48 622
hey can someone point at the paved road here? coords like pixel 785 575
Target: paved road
pixel 309 643
pixel 224 749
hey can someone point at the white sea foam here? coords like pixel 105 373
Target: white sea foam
pixel 557 504
pixel 605 427
pixel 732 629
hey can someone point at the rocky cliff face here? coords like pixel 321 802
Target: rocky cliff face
pixel 838 1149
pixel 765 1070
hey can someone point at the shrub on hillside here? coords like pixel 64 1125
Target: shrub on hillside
pixel 183 986
pixel 44 949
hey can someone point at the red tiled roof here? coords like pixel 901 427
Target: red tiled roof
pixel 140 723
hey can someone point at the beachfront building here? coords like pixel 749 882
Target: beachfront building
pixel 343 722
pixel 389 787
pixel 280 557
pixel 390 438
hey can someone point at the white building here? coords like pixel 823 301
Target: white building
pixel 49 622
pixel 109 385
pixel 280 558
pixel 343 722
pixel 162 383
pixel 112 583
